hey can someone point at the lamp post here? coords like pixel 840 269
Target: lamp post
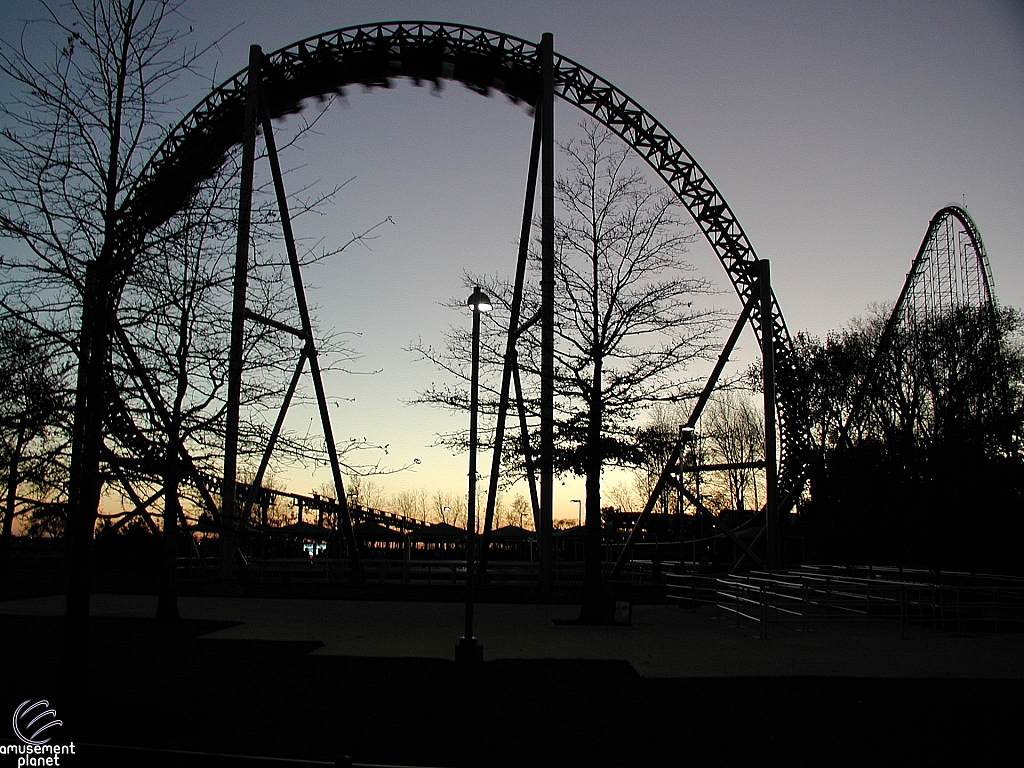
pixel 468 649
pixel 579 510
pixel 688 433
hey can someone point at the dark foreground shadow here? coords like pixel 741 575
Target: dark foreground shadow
pixel 169 689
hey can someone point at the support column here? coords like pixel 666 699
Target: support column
pixel 547 366
pixel 228 519
pixel 771 510
pixel 514 330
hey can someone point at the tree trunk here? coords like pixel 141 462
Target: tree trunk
pixel 85 481
pixel 85 485
pixel 9 508
pixel 167 606
pixel 591 609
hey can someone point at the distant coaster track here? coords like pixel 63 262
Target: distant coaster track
pixel 951 271
pixel 485 61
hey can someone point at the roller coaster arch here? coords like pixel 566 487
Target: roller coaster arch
pixel 484 61
pixel 950 270
pixel 978 288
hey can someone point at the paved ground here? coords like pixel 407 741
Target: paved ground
pixel 314 679
pixel 662 642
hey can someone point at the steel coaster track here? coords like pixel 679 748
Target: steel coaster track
pixel 948 270
pixel 485 61
pixel 967 282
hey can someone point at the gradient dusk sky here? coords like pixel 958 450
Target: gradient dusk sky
pixel 835 130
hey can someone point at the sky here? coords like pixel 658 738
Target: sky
pixel 835 131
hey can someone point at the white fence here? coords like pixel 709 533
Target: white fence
pixel 959 602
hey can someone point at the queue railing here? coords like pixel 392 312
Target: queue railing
pixel 801 598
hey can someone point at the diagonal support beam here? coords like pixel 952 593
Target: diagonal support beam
pixel 510 344
pixel 547 308
pixel 257 481
pixel 140 506
pixel 140 374
pixel 718 525
pixel 698 409
pixel 269 321
pixel 137 512
pixel 529 464
pixel 663 479
pixel 723 358
pixel 307 330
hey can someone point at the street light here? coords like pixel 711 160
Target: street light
pixel 579 510
pixel 468 649
pixel 479 301
pixel 688 434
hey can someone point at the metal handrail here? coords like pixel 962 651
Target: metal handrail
pixel 819 594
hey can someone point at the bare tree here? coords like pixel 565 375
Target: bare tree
pixel 414 503
pixel 625 322
pixel 170 361
pixel 656 440
pixel 519 512
pixel 367 492
pixel 734 427
pixel 92 86
pixel 449 508
pixel 624 497
pixel 626 326
pixel 33 425
pixel 502 512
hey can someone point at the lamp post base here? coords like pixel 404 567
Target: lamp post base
pixel 469 651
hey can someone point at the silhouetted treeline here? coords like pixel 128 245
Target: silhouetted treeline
pixel 920 435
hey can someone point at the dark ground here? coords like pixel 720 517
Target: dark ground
pixel 155 688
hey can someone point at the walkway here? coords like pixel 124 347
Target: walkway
pixel 662 642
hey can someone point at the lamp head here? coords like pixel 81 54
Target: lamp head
pixel 479 301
